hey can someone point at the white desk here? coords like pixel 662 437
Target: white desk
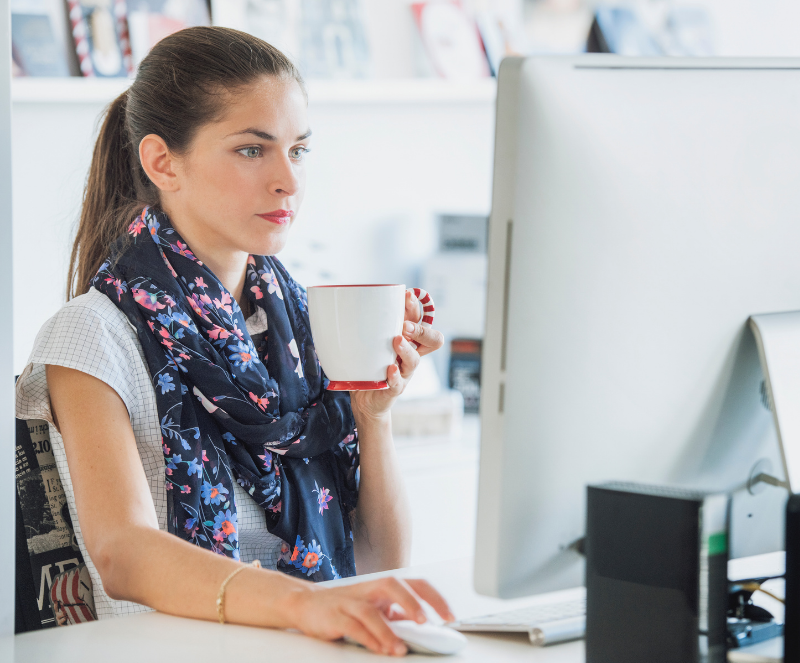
pixel 154 637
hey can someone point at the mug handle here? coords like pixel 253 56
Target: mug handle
pixel 428 308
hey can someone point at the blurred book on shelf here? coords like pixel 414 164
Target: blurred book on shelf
pixel 651 31
pixel 451 40
pixel 333 39
pixel 326 38
pixel 100 33
pixel 149 21
pixel 40 39
pixel 500 23
pixel 465 371
pixel 275 21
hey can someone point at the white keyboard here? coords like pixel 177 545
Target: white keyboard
pixel 546 623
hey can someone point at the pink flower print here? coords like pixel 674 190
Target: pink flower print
pixel 169 265
pixel 205 458
pixel 169 300
pixel 277 507
pixel 323 497
pixel 199 282
pixel 147 299
pixel 120 287
pixel 151 325
pixel 165 447
pixel 197 305
pixel 251 260
pixel 261 402
pixel 136 227
pixel 167 344
pixel 257 292
pixel 169 485
pixel 296 354
pixel 218 333
pixel 238 332
pixel 272 283
pixel 225 303
pixel 205 299
pixel 186 489
pixel 181 248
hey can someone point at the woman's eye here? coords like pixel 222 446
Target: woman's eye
pixel 250 152
pixel 297 153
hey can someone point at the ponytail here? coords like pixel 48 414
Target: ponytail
pixel 109 200
pixel 175 92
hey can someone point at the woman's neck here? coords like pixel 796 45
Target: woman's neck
pixel 230 267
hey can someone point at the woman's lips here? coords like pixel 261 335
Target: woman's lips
pixel 280 216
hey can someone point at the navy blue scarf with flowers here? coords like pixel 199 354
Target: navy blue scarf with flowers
pixel 232 412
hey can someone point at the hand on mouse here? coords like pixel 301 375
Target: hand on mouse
pixel 376 404
pixel 362 611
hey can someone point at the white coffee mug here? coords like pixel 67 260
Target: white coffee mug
pixel 353 328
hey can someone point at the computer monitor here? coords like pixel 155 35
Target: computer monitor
pixel 642 210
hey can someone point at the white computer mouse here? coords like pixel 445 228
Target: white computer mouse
pixel 428 638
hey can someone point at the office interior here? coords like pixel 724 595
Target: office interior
pixel 400 185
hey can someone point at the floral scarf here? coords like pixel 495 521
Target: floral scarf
pixel 230 411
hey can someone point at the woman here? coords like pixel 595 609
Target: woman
pixel 189 409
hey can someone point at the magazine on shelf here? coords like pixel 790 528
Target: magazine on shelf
pixel 451 40
pixel 40 39
pixel 100 33
pixel 149 21
pixel 55 561
pixel 333 39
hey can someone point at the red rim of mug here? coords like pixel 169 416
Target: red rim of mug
pixel 347 385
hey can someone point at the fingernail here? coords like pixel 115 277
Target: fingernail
pixel 421 618
pixel 400 649
pixel 451 617
pixel 408 327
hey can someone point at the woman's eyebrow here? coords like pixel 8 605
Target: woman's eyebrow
pixel 263 135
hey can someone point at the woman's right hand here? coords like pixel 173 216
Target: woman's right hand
pixel 362 611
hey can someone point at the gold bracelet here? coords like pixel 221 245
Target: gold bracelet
pixel 221 594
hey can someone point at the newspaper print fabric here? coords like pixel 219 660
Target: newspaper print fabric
pixel 232 412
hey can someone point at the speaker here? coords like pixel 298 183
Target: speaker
pixel 791 630
pixel 656 574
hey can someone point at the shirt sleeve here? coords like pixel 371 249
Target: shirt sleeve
pixel 93 337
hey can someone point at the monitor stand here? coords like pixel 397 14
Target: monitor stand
pixel 777 337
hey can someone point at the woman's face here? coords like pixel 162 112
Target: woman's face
pixel 242 180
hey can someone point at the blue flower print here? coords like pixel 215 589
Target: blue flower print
pixel 213 494
pixel 312 556
pixel 183 319
pixel 165 382
pixel 225 526
pixel 243 355
pixel 164 319
pixel 195 468
pixel 174 462
pixel 229 437
pixel 297 554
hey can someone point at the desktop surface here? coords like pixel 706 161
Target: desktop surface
pixel 155 636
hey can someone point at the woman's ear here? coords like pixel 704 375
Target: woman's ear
pixel 159 163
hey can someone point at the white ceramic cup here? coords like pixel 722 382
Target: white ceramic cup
pixel 353 328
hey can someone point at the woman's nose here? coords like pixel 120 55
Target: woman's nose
pixel 285 182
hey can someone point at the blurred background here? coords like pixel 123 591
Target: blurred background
pixel 401 101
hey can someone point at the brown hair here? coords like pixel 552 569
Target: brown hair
pixel 176 91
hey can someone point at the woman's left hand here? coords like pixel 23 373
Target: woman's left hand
pixel 376 404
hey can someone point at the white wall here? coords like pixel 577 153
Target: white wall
pixel 7 446
pixel 378 172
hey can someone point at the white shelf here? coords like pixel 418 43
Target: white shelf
pixel 411 91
